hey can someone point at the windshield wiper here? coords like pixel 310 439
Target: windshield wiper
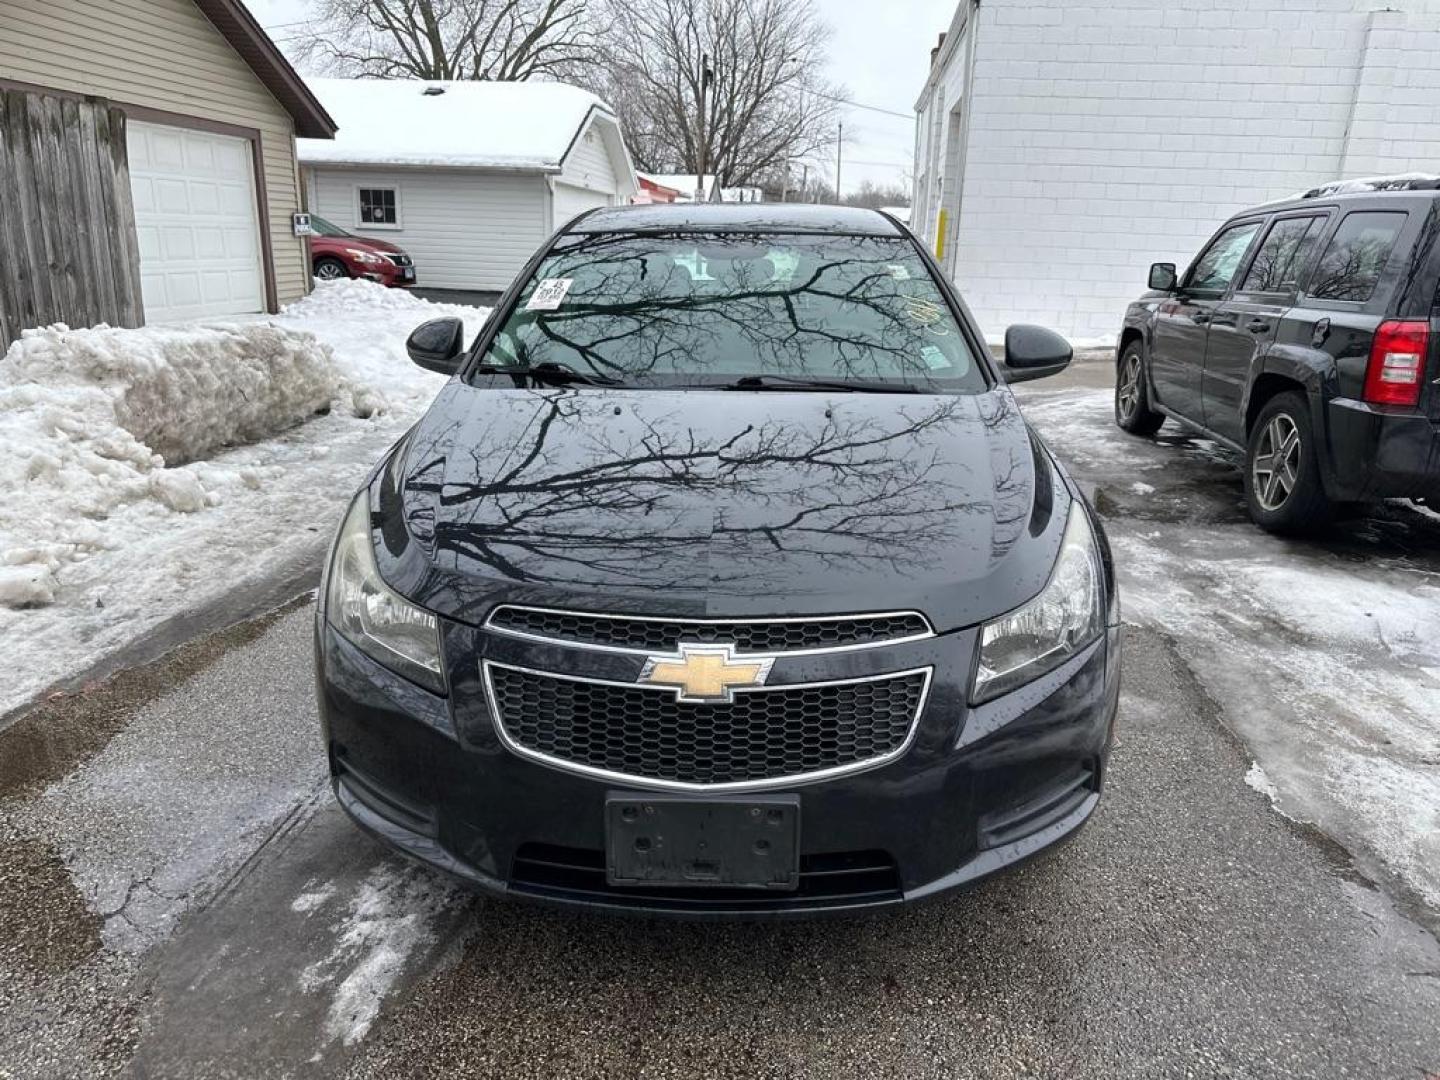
pixel 794 382
pixel 549 371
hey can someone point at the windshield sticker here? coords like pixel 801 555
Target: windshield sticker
pixel 934 359
pixel 925 312
pixel 550 294
pixel 899 273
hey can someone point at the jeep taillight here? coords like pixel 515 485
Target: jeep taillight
pixel 1397 363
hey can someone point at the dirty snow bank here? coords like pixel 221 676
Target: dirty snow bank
pixel 97 526
pixel 89 420
pixel 183 392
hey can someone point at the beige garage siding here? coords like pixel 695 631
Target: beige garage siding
pixel 161 54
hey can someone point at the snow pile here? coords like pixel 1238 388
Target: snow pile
pixel 366 325
pixel 90 418
pixel 182 392
pixel 350 297
pixel 101 542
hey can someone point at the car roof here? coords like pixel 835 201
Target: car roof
pixel 1405 190
pixel 738 217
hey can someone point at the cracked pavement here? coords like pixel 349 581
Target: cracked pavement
pixel 180 897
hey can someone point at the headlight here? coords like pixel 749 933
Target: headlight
pixel 364 257
pixel 1066 617
pixel 373 617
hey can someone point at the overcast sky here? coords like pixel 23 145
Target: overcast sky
pixel 879 53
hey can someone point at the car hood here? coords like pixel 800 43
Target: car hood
pixel 719 503
pixel 368 243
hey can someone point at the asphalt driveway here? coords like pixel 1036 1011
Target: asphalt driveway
pixel 179 896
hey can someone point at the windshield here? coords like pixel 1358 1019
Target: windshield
pixel 711 309
pixel 324 228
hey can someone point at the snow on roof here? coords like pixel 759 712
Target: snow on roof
pixel 1411 181
pixel 496 125
pixel 899 213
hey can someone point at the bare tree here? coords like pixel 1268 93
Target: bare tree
pixel 765 99
pixel 448 39
pixel 873 195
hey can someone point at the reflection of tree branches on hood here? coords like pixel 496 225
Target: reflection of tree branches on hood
pixel 642 506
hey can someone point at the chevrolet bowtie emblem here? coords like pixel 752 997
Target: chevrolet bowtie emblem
pixel 705 673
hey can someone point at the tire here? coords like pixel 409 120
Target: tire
pixel 1132 395
pixel 1283 489
pixel 328 269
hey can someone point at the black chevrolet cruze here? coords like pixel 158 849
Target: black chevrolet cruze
pixel 723 577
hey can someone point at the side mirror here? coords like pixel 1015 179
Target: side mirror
pixel 1162 277
pixel 437 345
pixel 1032 352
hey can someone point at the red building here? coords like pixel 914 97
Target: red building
pixel 653 192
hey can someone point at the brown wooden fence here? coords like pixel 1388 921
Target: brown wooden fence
pixel 67 225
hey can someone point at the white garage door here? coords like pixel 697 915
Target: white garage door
pixel 196 222
pixel 570 201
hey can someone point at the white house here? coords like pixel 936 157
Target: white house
pixel 468 177
pixel 1064 145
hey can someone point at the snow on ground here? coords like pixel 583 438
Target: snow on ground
pixel 1256 779
pixel 391 916
pixel 100 541
pixel 1322 656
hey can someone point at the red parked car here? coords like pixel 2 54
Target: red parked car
pixel 335 253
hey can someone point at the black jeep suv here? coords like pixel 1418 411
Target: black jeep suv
pixel 1304 335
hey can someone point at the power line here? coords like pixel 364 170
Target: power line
pixel 858 105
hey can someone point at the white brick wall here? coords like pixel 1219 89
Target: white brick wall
pixel 1396 123
pixel 1108 135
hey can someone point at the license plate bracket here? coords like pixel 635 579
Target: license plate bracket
pixel 683 841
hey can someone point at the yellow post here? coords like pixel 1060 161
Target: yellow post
pixel 940 229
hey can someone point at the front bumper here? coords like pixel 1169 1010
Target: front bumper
pixel 1380 452
pixel 388 274
pixel 980 789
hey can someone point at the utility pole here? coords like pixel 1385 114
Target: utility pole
pixel 804 180
pixel 839 150
pixel 705 76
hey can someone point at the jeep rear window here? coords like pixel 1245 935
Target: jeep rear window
pixel 1355 256
pixel 696 309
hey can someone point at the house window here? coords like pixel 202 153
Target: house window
pixel 378 207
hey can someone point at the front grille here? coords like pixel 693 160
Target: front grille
pixel 628 632
pixel 840 879
pixel 763 735
pixel 398 260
